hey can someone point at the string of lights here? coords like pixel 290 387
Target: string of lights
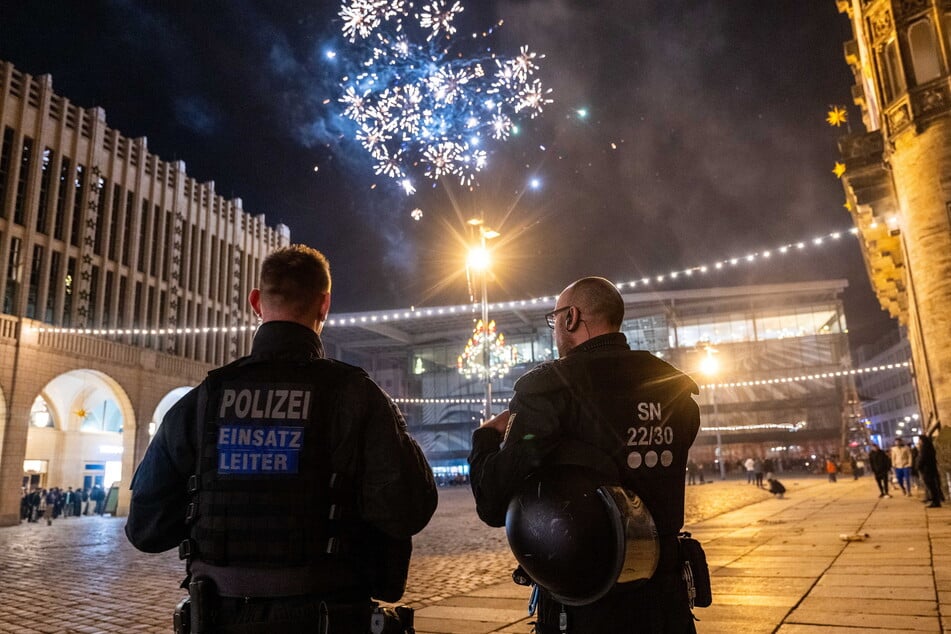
pixel 349 319
pixel 808 377
pixel 759 426
pixel 122 332
pixel 745 383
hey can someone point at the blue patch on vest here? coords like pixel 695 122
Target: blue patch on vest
pixel 259 449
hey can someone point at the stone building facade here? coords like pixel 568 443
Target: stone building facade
pixel 113 263
pixel 898 180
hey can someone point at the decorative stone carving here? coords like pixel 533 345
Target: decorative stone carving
pixel 930 100
pixel 898 118
pixel 881 25
pixel 905 8
pixel 861 145
pixel 93 193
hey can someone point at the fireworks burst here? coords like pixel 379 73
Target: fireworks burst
pixel 418 102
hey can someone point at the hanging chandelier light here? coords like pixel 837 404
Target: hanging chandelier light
pixel 474 363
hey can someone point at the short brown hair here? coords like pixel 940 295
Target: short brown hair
pixel 292 277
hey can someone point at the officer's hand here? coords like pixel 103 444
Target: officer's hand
pixel 498 422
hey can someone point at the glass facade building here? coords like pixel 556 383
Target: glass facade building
pixel 769 340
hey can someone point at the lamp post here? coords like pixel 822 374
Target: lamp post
pixel 480 260
pixel 710 366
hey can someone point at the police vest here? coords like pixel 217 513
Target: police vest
pixel 633 407
pixel 264 493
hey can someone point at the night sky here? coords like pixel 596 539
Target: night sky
pixel 705 137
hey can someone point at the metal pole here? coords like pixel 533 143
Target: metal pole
pixel 486 358
pixel 716 418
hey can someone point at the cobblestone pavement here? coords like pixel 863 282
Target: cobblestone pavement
pixel 82 575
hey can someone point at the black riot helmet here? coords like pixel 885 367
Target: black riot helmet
pixel 576 537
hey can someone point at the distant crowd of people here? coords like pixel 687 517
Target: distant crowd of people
pixel 906 466
pixel 49 504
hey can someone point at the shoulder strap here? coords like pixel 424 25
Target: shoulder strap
pixel 187 548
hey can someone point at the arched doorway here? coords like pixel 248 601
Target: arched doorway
pixel 75 432
pixel 167 402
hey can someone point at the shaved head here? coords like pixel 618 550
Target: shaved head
pixel 598 299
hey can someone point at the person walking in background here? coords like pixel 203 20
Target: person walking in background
pixel 881 465
pixel 692 470
pixel 34 501
pixel 78 502
pixel 98 496
pixel 58 502
pixel 901 463
pixel 831 468
pixel 49 502
pixel 749 465
pixel 913 480
pixel 928 470
pixel 68 498
pixel 758 472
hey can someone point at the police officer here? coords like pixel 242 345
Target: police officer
pixel 287 480
pixel 632 410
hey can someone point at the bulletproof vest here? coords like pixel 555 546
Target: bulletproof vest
pixel 636 409
pixel 265 493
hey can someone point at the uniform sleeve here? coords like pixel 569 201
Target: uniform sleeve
pixel 398 491
pixel 156 521
pixel 497 468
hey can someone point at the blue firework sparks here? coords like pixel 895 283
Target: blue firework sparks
pixel 418 103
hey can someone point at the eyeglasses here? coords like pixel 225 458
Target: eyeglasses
pixel 550 317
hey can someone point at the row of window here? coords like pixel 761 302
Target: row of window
pixel 87 279
pixel 891 405
pixel 924 57
pixel 658 333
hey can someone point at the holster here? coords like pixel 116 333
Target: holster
pixel 182 619
pixel 203 599
pixel 397 620
pixel 696 574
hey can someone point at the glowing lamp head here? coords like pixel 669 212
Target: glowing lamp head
pixel 709 365
pixel 478 259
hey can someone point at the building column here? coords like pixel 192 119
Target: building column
pixel 920 164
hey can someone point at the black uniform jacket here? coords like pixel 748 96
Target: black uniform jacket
pixel 636 410
pixel 396 491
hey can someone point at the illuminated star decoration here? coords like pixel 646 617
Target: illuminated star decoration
pixel 839 169
pixel 837 116
pixel 418 101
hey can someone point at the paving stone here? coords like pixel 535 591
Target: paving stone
pixel 777 565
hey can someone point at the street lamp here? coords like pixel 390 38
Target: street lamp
pixel 710 366
pixel 480 260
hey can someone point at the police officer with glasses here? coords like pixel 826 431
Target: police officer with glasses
pixel 615 416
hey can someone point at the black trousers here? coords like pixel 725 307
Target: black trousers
pixel 657 606
pixel 882 480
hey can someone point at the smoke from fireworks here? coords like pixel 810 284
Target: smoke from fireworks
pixel 418 103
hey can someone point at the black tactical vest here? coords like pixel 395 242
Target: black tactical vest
pixel 265 493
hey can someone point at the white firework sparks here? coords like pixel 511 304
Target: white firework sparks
pixel 436 17
pixel 417 102
pixel 533 98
